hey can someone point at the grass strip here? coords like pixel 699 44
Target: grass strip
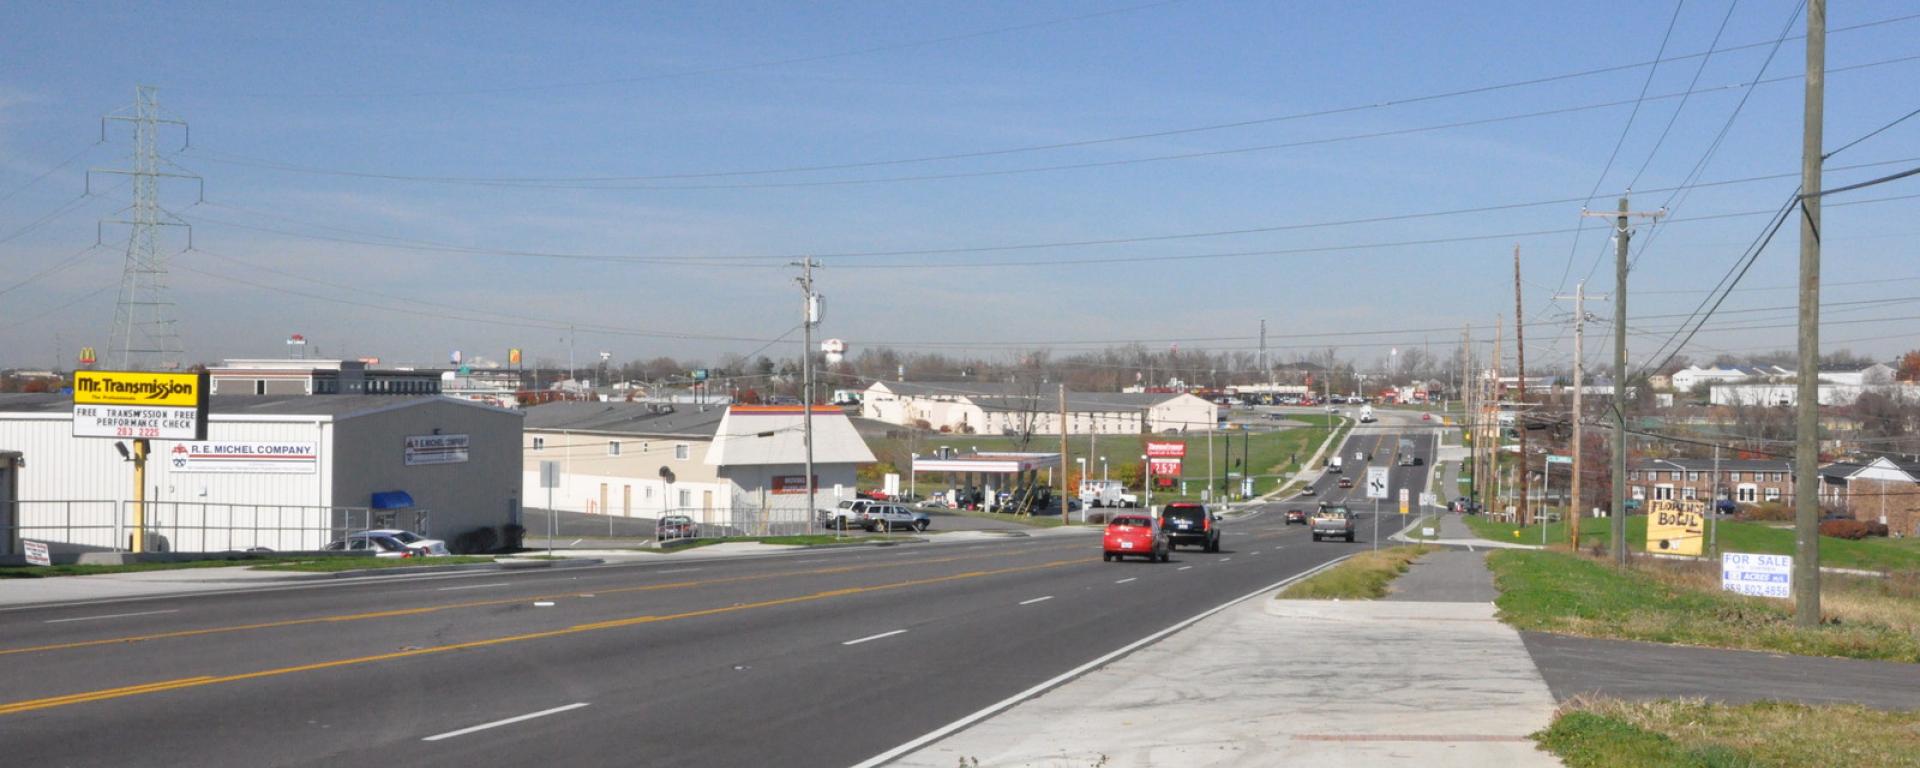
pixel 1697 734
pixel 1876 554
pixel 336 564
pixel 1679 603
pixel 1364 576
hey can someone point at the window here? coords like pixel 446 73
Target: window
pixel 1633 474
pixel 1773 494
pixel 1747 494
pixel 682 451
pixel 1693 477
pixel 1689 493
pixel 539 443
pixel 1663 492
pixel 1674 475
pixel 613 447
pixel 686 498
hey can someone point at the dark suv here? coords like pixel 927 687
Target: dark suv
pixel 1191 524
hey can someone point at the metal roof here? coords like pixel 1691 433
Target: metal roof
pixel 336 407
pixel 624 418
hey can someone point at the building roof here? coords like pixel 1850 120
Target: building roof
pixel 335 407
pixel 1707 465
pixel 1010 396
pixel 775 435
pixel 624 418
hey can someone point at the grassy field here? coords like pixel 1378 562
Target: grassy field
pixel 1364 576
pixel 1878 554
pixel 1694 734
pixel 1681 602
pixel 1274 455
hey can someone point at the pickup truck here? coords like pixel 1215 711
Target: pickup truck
pixel 1332 521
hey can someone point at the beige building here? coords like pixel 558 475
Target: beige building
pixel 1008 408
pixel 718 464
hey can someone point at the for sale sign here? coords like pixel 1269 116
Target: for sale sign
pixel 1758 575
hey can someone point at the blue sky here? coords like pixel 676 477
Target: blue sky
pixel 283 100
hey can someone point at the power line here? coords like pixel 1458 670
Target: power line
pixel 1370 105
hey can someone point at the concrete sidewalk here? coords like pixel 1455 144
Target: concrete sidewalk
pixel 1282 682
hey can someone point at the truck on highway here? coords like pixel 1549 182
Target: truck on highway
pixel 1366 414
pixel 1332 521
pixel 1407 457
pixel 1107 493
pixel 1333 465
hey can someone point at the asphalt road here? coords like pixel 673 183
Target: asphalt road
pixel 820 658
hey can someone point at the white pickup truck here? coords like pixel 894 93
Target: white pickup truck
pixel 1107 493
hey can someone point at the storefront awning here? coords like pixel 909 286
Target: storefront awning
pixel 392 500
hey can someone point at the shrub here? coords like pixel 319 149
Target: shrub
pixel 1877 529
pixel 477 540
pixel 512 537
pixel 1769 510
pixel 1844 529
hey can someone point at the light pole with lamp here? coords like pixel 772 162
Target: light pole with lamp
pixel 1082 461
pixel 1103 469
pixel 1149 483
pixel 913 478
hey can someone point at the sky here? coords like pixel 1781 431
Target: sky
pixel 404 180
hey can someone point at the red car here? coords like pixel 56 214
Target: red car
pixel 1346 482
pixel 1135 535
pixel 1426 417
pixel 1296 516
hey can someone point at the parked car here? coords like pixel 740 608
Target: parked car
pixel 1191 524
pixel 889 517
pixel 846 514
pixel 1135 534
pixel 1296 516
pixel 675 527
pixel 1426 417
pixel 1346 482
pixel 1332 521
pixel 390 542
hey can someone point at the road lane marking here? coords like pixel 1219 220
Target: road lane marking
pixel 676 570
pixel 1036 600
pixel 475 586
pixel 111 616
pixel 508 721
pixel 1184 567
pixel 1127 579
pixel 1224 559
pixel 1007 703
pixel 875 637
pixel 422 610
pixel 30 705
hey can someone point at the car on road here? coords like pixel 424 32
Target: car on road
pixel 1191 524
pixel 1426 417
pixel 1346 482
pixel 1135 534
pixel 1332 521
pixel 675 527
pixel 1296 516
pixel 390 542
pixel 1308 491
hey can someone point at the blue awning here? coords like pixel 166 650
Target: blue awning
pixel 392 500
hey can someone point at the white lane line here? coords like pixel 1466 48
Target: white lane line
pixel 508 721
pixel 1129 578
pixel 1184 567
pixel 472 586
pixel 1224 559
pixel 1007 703
pixel 111 616
pixel 677 570
pixel 1036 600
pixel 875 637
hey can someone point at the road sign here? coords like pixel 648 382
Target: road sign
pixel 1559 459
pixel 549 474
pixel 1403 501
pixel 1429 499
pixel 1758 575
pixel 138 404
pixel 37 552
pixel 1377 482
pixel 1166 450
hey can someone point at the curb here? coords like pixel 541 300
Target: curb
pixel 414 570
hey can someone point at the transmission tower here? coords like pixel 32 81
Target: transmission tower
pixel 145 336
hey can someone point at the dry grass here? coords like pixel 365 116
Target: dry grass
pixel 1893 601
pixel 1613 733
pixel 1364 576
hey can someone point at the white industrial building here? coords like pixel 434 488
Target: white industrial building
pixel 991 408
pixel 285 472
pixel 722 465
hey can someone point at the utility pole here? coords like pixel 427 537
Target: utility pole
pixel 1266 374
pixel 1063 456
pixel 1493 410
pixel 1622 236
pixel 1520 355
pixel 1806 449
pixel 145 335
pixel 809 316
pixel 1579 414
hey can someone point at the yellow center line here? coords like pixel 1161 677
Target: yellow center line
pixel 402 612
pixel 31 705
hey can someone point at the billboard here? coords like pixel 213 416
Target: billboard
pixel 1166 450
pixel 140 405
pixel 245 458
pixel 1676 528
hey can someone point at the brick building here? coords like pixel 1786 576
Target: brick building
pixel 1883 490
pixel 1745 481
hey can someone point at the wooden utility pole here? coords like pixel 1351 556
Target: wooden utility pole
pixel 1579 414
pixel 1065 506
pixel 1520 358
pixel 1622 236
pixel 1493 410
pixel 1806 449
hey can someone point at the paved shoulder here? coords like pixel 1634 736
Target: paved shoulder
pixel 1450 575
pixel 1636 670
